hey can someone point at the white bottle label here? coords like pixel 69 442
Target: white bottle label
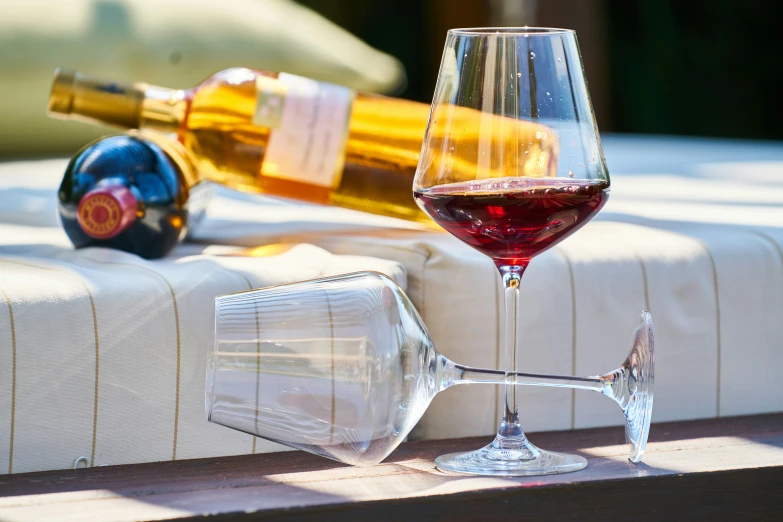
pixel 309 122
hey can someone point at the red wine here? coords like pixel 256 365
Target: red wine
pixel 513 219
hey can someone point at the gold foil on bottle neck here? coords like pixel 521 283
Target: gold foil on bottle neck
pixel 61 96
pixel 75 95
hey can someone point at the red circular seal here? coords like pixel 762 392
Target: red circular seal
pixel 105 212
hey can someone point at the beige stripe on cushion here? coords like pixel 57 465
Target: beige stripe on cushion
pixel 771 241
pixel 331 351
pixel 608 295
pixel 258 372
pixel 12 329
pixel 258 360
pixel 681 297
pixel 711 259
pixel 28 349
pixel 175 308
pixel 195 282
pixel 573 329
pixel 749 286
pixel 97 344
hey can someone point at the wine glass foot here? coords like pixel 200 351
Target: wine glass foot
pixel 505 459
pixel 633 387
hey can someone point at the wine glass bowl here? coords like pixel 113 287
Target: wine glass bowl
pixel 510 102
pixel 513 219
pixel 344 367
pixel 511 164
pixel 334 366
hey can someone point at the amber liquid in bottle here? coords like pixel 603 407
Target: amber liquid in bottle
pixel 381 152
pixel 217 121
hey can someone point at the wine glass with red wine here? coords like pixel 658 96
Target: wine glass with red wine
pixel 511 165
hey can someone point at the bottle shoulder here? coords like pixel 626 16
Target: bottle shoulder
pixel 124 160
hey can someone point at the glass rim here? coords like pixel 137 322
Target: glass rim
pixel 527 31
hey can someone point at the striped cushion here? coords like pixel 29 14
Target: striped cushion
pixel 103 355
pixel 693 231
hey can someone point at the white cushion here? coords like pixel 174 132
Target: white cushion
pixel 693 231
pixel 106 355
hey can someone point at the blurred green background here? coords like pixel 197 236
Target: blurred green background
pixel 695 67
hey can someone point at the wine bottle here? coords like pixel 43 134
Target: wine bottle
pixel 128 193
pixel 284 135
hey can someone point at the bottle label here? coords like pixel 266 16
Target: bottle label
pixel 309 122
pixel 104 212
pixel 99 216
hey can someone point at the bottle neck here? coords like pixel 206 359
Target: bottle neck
pixel 162 109
pixel 127 105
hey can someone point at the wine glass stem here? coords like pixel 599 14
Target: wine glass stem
pixel 454 374
pixel 511 274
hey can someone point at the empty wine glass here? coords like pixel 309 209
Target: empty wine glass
pixel 511 165
pixel 344 367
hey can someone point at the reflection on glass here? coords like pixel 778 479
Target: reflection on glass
pixel 536 175
pixel 344 367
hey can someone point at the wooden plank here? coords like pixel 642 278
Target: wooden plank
pixel 699 470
